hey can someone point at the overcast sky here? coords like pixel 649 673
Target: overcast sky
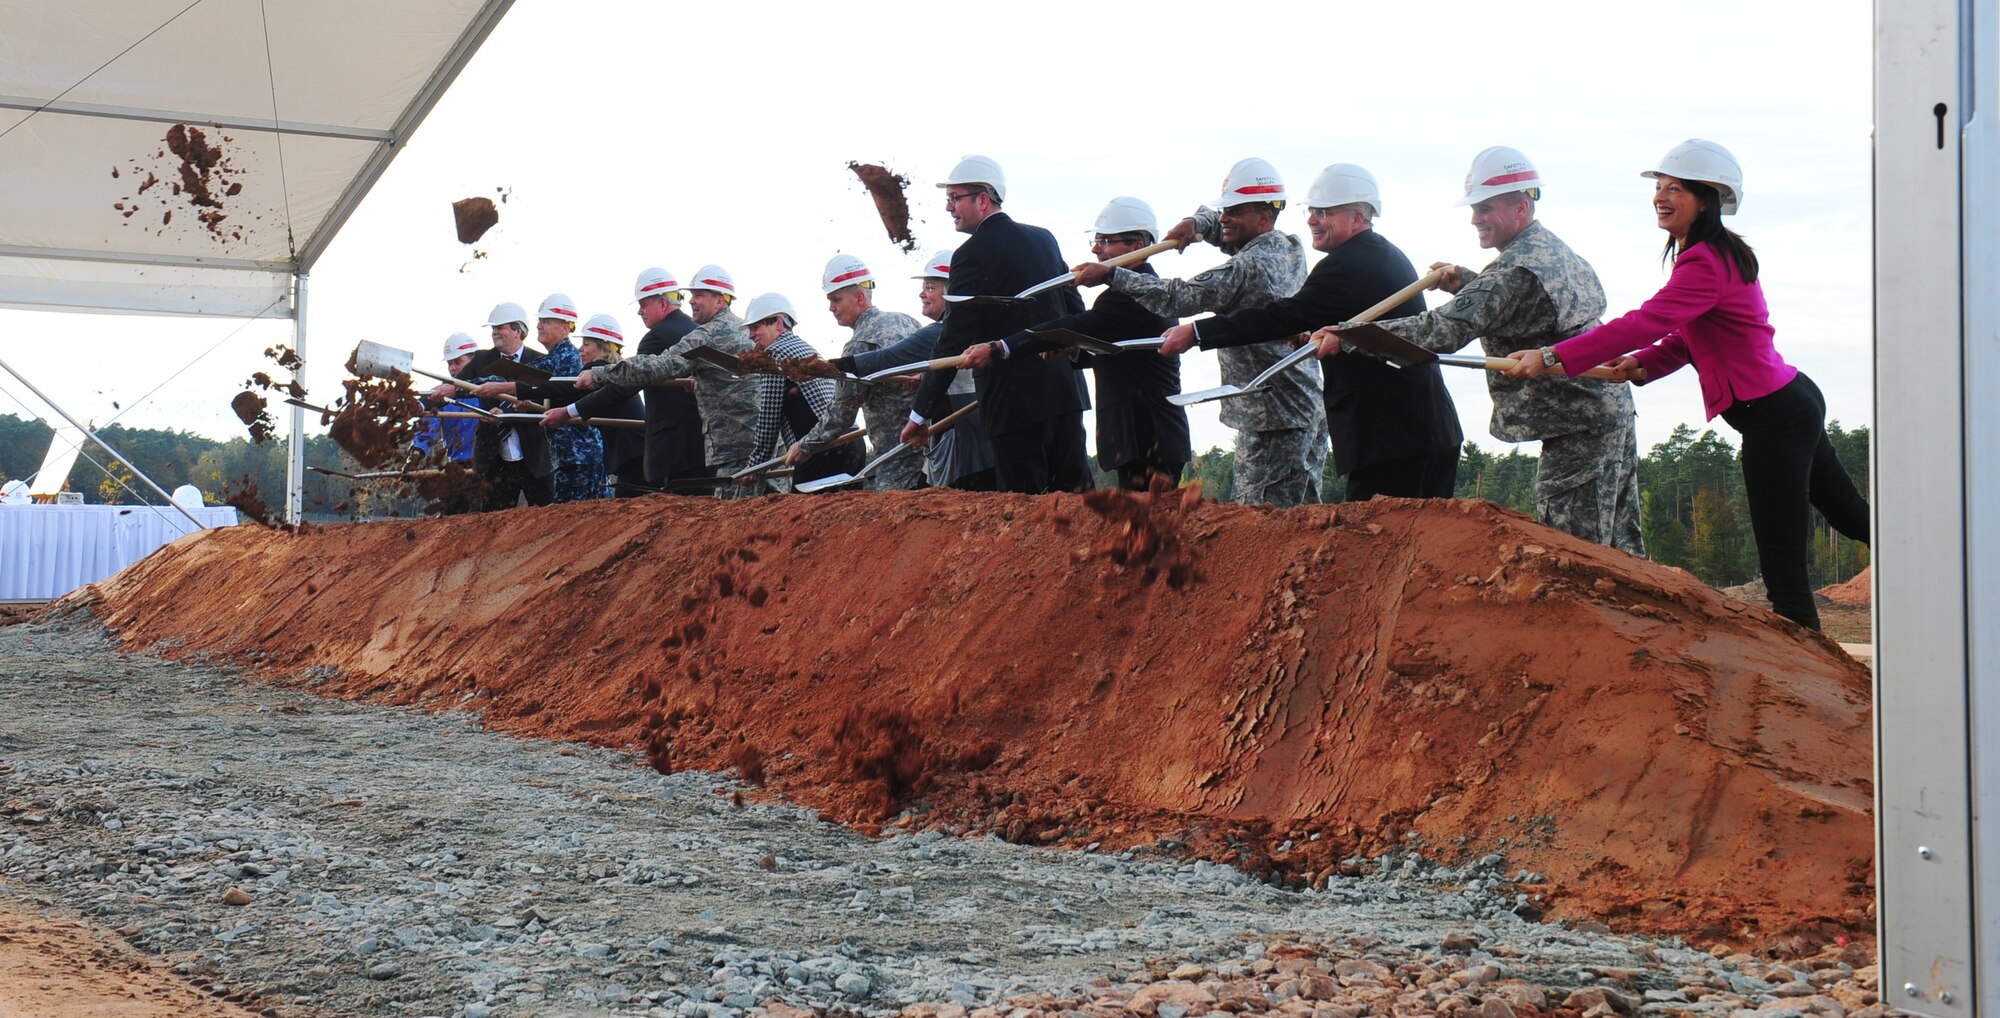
pixel 635 134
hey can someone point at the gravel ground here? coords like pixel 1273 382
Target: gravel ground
pixel 311 856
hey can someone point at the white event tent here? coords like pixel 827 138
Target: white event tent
pixel 307 101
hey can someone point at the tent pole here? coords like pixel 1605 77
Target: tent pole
pixel 295 460
pixel 115 454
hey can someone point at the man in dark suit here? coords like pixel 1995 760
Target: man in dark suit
pixel 513 457
pixel 1395 430
pixel 673 421
pixel 1030 408
pixel 1139 433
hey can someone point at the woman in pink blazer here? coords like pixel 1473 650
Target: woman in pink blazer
pixel 1711 314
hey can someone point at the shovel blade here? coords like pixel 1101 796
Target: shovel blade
pixel 1206 395
pixel 1047 284
pixel 983 298
pixel 823 483
pixel 912 368
pixel 1380 342
pixel 372 358
pixel 710 355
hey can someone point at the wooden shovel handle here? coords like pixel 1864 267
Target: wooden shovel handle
pixel 1391 302
pixel 1507 363
pixel 468 387
pixel 944 423
pixel 1135 257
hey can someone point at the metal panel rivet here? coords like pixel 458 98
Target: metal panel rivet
pixel 1923 851
pixel 1910 988
pixel 1944 996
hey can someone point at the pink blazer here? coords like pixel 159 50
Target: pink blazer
pixel 1706 316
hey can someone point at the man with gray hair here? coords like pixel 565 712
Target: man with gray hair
pixel 1280 432
pixel 1535 292
pixel 850 294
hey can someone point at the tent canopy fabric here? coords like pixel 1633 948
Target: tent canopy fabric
pixel 301 104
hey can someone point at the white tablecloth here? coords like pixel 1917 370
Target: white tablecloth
pixel 47 551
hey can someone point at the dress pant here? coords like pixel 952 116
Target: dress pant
pixel 1044 457
pixel 1432 476
pixel 511 481
pixel 1789 468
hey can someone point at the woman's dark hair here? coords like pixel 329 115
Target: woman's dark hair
pixel 1708 229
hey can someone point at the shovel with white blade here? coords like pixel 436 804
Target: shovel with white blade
pixel 1427 281
pixel 843 480
pixel 768 467
pixel 372 358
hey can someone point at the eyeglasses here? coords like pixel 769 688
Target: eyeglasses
pixel 953 199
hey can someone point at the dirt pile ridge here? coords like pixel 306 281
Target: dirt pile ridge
pixel 1332 680
pixel 1856 590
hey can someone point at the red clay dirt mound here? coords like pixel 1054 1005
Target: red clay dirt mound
pixel 1338 677
pixel 1856 591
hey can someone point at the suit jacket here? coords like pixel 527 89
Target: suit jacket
pixel 535 453
pixel 1374 411
pixel 1003 258
pixel 1134 419
pixel 673 423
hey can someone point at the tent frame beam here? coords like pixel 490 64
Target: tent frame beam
pixel 231 123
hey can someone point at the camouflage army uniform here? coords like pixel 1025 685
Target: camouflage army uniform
pixel 1537 292
pixel 1281 439
pixel 886 407
pixel 728 403
pixel 577 449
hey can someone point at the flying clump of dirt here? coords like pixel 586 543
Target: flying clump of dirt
pixel 248 502
pixel 253 411
pixel 887 187
pixel 474 216
pixel 885 750
pixel 1146 530
pixel 798 369
pixel 199 176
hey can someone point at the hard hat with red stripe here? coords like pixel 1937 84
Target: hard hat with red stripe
pixel 712 278
pixel 604 329
pixel 459 345
pixel 1252 180
pixel 558 305
pixel 1500 170
pixel 937 266
pixel 843 271
pixel 657 282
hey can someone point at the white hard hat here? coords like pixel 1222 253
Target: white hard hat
pixel 657 282
pixel 508 314
pixel 458 346
pixel 1127 215
pixel 187 496
pixel 712 277
pixel 1251 180
pixel 558 305
pixel 604 329
pixel 842 271
pixel 978 170
pixel 1695 159
pixel 1499 170
pixel 937 266
pixel 764 305
pixel 15 493
pixel 1344 184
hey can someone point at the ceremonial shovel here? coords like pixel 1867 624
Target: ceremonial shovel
pixel 1060 337
pixel 536 376
pixel 375 359
pixel 1400 352
pixel 842 480
pixel 1428 280
pixel 764 469
pixel 1067 278
pixel 734 365
pixel 375 474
